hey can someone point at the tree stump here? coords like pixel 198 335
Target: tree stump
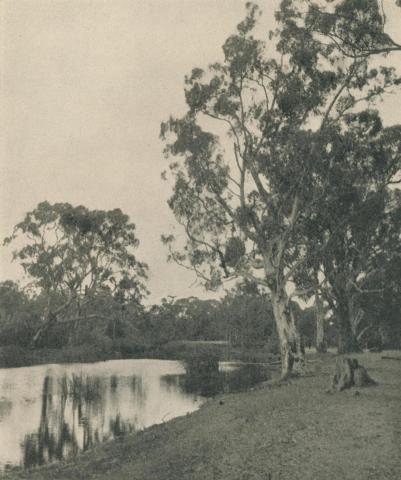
pixel 349 373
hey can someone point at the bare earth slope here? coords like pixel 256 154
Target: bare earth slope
pixel 295 431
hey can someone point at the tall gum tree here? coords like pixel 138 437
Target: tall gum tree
pixel 358 223
pixel 247 158
pixel 72 254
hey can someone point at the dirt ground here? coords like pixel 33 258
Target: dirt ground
pixel 288 432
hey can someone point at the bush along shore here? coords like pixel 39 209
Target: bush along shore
pixel 278 431
pixel 14 356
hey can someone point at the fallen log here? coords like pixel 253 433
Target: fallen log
pixel 391 358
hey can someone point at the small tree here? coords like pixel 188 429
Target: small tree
pixel 72 253
pixel 243 201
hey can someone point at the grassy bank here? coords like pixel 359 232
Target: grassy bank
pixel 296 431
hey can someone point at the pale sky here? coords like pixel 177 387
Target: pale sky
pixel 85 85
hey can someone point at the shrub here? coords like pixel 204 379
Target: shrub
pixel 200 364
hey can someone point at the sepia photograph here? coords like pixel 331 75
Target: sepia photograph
pixel 200 240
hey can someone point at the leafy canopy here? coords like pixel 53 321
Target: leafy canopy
pixel 76 251
pixel 267 130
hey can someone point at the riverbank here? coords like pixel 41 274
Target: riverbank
pixel 13 356
pixel 296 431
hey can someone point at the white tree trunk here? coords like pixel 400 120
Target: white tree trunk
pixel 292 352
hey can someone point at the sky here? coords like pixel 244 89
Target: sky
pixel 85 85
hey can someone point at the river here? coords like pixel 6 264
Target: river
pixel 51 412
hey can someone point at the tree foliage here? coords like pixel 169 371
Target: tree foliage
pixel 73 254
pixel 247 313
pixel 19 315
pixel 357 227
pixel 295 110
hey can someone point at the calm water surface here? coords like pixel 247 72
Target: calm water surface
pixel 50 412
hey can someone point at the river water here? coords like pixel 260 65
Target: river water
pixel 51 412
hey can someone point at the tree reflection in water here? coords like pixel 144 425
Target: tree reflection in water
pixel 73 418
pixel 54 437
pixel 207 379
pixel 119 427
pixel 79 411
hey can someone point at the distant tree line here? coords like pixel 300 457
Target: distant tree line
pixel 85 282
pixel 243 318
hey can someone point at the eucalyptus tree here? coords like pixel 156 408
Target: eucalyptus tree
pixel 359 222
pixel 381 322
pixel 72 254
pixel 247 156
pixel 356 27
